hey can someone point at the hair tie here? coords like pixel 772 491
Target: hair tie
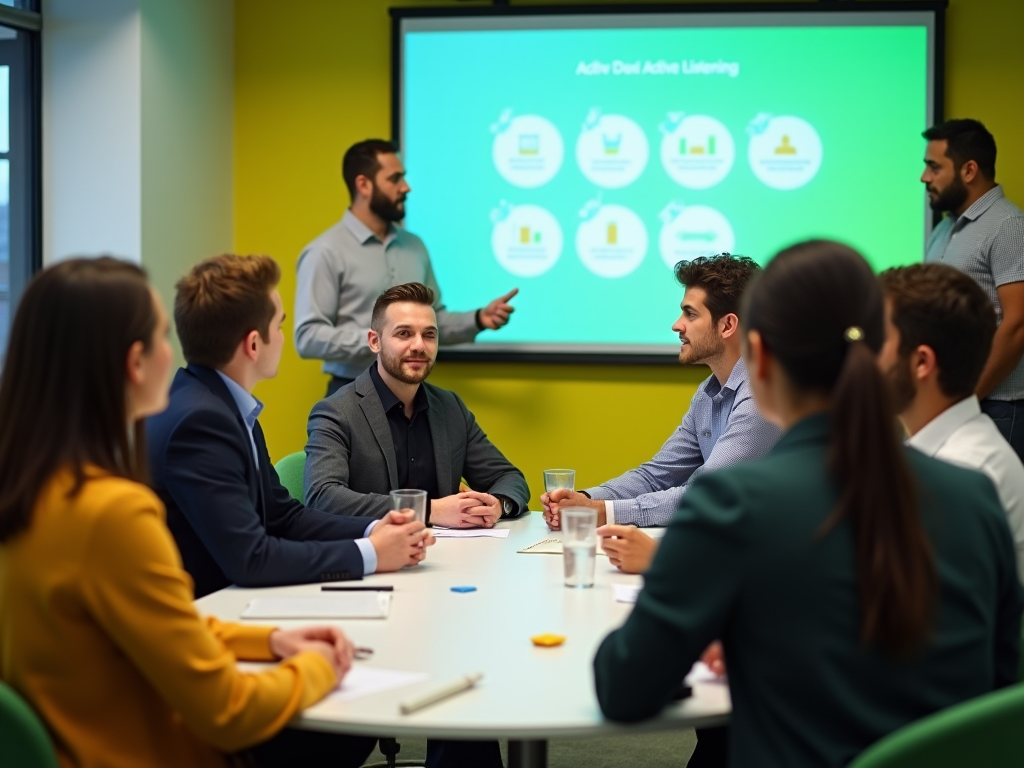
pixel 854 333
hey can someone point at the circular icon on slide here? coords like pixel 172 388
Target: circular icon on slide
pixel 612 151
pixel 528 151
pixel 698 153
pixel 697 231
pixel 613 242
pixel 528 242
pixel 786 154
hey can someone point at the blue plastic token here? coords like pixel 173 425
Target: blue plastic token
pixel 463 589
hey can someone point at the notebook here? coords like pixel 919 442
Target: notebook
pixel 548 547
pixel 341 605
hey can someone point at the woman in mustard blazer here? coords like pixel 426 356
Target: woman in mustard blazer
pixel 97 627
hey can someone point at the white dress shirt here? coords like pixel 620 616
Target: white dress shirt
pixel 963 435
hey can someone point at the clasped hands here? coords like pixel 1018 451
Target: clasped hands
pixel 467 509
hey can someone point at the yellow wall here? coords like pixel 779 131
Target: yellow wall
pixel 313 76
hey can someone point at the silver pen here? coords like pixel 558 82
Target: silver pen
pixel 440 693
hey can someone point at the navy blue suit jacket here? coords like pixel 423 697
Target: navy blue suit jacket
pixel 235 524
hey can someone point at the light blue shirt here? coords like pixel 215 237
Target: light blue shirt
pixel 250 408
pixel 722 427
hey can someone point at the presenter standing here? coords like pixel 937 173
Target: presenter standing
pixel 343 271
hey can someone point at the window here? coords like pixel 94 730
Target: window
pixel 20 246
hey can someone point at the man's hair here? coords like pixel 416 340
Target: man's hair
pixel 220 301
pixel 723 278
pixel 938 306
pixel 966 140
pixel 416 293
pixel 362 160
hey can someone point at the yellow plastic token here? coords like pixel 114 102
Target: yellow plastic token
pixel 548 640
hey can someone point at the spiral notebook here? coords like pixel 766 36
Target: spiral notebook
pixel 548 547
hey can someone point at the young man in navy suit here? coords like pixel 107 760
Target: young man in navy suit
pixel 232 519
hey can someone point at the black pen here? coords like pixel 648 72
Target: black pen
pixel 382 588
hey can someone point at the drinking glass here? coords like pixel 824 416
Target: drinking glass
pixel 579 545
pixel 410 498
pixel 558 479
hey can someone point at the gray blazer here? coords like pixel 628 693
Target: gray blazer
pixel 350 459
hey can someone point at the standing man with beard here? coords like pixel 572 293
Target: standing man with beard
pixel 982 236
pixel 390 430
pixel 348 266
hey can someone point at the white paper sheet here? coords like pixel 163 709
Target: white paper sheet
pixel 701 673
pixel 337 605
pixel 364 681
pixel 359 682
pixel 626 593
pixel 470 533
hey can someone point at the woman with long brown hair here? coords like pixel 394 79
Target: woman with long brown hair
pixel 97 627
pixel 856 585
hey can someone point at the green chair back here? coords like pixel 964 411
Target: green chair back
pixel 985 731
pixel 23 739
pixel 290 469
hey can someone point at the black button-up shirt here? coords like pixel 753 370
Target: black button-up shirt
pixel 414 445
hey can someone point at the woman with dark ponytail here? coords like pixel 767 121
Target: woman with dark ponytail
pixel 856 585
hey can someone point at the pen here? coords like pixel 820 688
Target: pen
pixel 439 693
pixel 381 588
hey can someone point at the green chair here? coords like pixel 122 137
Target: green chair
pixel 23 739
pixel 983 731
pixel 290 469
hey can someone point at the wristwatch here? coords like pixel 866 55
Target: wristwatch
pixel 508 507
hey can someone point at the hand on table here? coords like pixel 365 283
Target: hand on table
pixel 329 642
pixel 714 657
pixel 464 510
pixel 492 504
pixel 628 548
pixel 555 501
pixel 399 540
pixel 496 314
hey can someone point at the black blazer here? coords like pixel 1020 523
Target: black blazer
pixel 235 524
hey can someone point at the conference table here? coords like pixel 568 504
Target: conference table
pixel 528 694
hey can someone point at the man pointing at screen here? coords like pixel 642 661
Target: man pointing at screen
pixel 343 271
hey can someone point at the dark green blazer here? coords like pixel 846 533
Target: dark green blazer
pixel 742 561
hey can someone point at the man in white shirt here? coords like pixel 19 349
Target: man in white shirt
pixel 939 330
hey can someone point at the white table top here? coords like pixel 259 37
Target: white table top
pixel 527 693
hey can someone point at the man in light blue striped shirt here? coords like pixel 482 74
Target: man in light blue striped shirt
pixel 722 426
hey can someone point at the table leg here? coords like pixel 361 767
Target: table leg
pixel 527 754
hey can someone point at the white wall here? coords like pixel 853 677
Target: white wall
pixel 138 121
pixel 91 128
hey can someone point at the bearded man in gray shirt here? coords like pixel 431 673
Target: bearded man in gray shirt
pixel 982 236
pixel 343 271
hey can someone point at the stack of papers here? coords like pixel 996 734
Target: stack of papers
pixel 470 533
pixel 341 605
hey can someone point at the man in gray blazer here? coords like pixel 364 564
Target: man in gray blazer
pixel 388 429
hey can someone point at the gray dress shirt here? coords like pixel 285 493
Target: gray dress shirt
pixel 722 427
pixel 987 243
pixel 340 276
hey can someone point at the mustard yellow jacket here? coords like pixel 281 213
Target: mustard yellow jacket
pixel 98 632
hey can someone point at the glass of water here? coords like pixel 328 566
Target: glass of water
pixel 579 545
pixel 410 498
pixel 559 479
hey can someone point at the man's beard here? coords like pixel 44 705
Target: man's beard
pixel 701 352
pixel 951 198
pixel 389 210
pixel 901 384
pixel 393 365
